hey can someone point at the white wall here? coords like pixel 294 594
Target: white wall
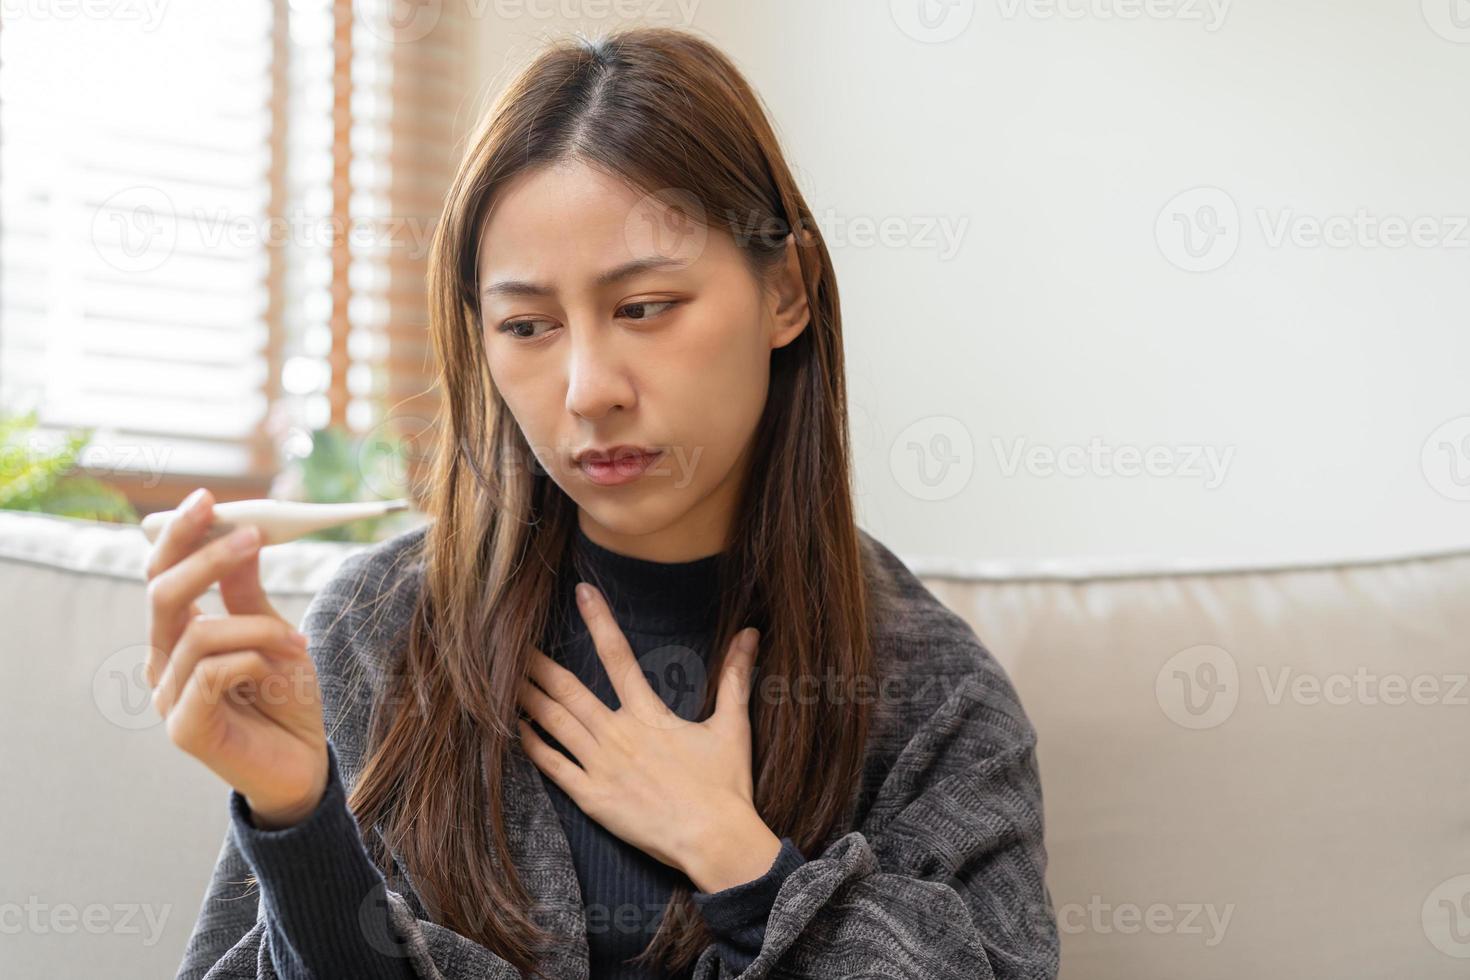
pixel 1053 147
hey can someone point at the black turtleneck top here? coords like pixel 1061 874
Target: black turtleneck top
pixel 667 611
pixel 314 874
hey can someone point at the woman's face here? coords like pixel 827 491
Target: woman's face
pixel 671 353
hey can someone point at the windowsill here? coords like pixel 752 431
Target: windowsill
pixel 151 491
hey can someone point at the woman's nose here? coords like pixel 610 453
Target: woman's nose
pixel 597 380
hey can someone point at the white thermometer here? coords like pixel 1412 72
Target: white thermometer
pixel 279 520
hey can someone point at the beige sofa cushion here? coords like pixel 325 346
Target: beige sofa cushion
pixel 100 810
pixel 1250 773
pixel 1231 789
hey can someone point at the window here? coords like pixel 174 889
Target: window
pixel 214 226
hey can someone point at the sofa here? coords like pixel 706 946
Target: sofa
pixel 1247 772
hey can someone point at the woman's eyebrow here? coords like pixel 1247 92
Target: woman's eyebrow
pixel 519 287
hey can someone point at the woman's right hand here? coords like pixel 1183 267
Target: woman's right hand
pixel 238 692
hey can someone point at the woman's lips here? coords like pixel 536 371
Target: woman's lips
pixel 619 469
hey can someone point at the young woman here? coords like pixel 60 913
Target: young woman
pixel 469 768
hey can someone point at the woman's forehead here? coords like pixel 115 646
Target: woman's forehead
pixel 581 225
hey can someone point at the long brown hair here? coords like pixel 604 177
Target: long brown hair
pixel 660 108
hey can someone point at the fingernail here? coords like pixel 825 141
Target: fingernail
pixel 584 593
pixel 244 539
pixel 748 639
pixel 191 502
pixel 298 638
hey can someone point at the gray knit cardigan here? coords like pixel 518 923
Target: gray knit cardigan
pixel 938 873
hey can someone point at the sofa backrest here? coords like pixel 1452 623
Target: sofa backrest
pixel 1246 772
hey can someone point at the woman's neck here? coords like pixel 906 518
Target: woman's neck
pixel 688 542
pixel 647 595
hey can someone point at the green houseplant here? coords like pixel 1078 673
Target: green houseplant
pixel 37 477
pixel 340 467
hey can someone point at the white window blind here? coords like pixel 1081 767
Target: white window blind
pixel 214 228
pixel 134 186
pixel 393 71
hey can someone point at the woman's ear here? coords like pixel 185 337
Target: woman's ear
pixel 790 312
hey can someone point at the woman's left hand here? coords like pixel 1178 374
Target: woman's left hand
pixel 678 790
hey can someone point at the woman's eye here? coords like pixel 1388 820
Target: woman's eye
pixel 513 327
pixel 642 308
pixel 526 329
